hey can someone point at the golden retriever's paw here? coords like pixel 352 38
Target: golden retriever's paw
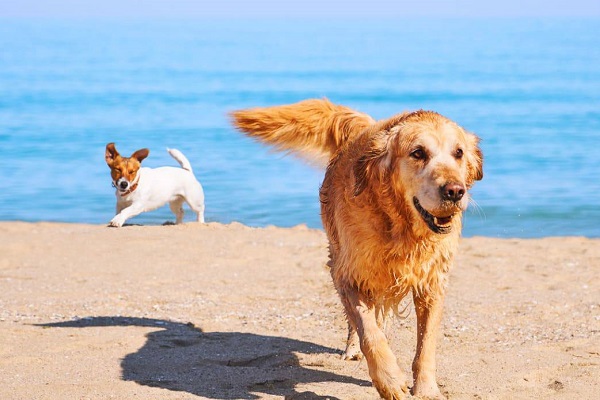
pixel 352 355
pixel 428 391
pixel 393 393
pixel 395 389
pixel 352 352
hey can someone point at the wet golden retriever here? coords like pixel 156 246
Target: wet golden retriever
pixel 391 200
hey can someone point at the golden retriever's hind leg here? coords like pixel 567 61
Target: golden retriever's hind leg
pixel 387 377
pixel 429 316
pixel 380 314
pixel 352 351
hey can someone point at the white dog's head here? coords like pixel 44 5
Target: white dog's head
pixel 124 170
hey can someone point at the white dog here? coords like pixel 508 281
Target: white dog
pixel 141 189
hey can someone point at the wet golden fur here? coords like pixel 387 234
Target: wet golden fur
pixel 382 247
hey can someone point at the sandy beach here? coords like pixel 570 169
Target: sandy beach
pixel 231 312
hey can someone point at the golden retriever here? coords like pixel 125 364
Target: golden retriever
pixel 391 201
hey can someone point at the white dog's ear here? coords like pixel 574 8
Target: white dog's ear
pixel 140 154
pixel 372 165
pixel 110 154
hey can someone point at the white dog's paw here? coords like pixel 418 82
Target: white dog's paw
pixel 116 222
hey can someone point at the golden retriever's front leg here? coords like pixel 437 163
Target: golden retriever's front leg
pixel 387 377
pixel 429 316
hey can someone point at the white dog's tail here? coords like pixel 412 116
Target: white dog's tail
pixel 181 159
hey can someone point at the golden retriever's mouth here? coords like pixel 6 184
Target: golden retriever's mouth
pixel 441 225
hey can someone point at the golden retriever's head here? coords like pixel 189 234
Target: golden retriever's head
pixel 426 162
pixel 123 170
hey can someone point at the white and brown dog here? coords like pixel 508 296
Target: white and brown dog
pixel 141 189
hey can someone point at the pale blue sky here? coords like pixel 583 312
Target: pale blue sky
pixel 306 8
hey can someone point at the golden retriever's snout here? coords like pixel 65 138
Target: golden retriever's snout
pixel 453 192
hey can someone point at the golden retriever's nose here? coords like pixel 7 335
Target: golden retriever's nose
pixel 453 191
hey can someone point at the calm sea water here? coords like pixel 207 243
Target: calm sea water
pixel 529 88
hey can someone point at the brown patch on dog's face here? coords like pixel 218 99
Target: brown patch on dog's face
pixel 123 170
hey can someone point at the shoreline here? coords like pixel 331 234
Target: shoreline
pixel 229 311
pixel 271 226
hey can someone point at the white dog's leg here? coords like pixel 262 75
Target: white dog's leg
pixel 126 213
pixel 177 208
pixel 198 208
pixel 200 214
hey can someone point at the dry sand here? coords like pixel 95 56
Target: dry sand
pixel 230 312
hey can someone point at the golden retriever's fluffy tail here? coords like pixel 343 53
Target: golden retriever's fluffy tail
pixel 313 128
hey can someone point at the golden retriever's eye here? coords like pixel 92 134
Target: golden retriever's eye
pixel 458 154
pixel 418 154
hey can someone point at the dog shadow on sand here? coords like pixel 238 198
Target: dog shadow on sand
pixel 217 365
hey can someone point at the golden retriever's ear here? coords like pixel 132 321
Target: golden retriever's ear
pixel 475 163
pixel 140 154
pixel 370 165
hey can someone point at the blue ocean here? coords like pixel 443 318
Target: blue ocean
pixel 529 88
